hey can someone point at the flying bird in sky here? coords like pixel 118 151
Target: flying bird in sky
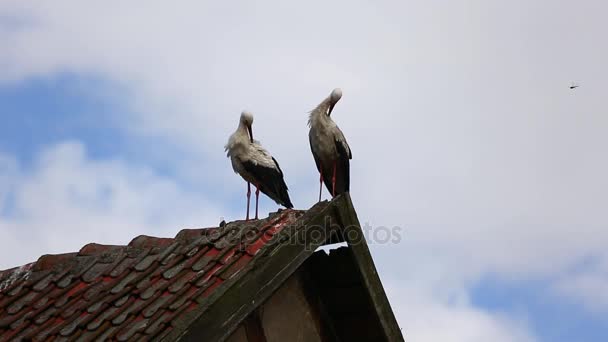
pixel 251 161
pixel 573 85
pixel 329 147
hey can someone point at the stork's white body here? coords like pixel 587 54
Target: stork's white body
pixel 241 150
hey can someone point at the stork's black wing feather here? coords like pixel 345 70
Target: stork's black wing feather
pixel 317 161
pixel 270 181
pixel 278 167
pixel 342 167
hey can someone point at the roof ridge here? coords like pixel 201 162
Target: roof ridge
pixel 48 261
pixel 146 241
pixel 93 248
pixel 193 233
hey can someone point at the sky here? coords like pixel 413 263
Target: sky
pixel 466 140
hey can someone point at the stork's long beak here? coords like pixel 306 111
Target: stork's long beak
pixel 250 133
pixel 331 107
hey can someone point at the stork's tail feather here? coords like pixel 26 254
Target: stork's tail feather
pixel 283 196
pixel 278 192
pixel 287 203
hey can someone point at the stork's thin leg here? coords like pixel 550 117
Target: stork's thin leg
pixel 333 182
pixel 257 197
pixel 320 182
pixel 248 197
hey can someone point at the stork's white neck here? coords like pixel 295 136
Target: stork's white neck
pixel 319 114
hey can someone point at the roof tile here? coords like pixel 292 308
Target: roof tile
pixel 43 283
pixel 45 315
pixel 168 250
pixel 192 251
pixel 99 320
pixel 146 262
pixel 209 288
pixel 209 255
pixel 122 266
pixel 254 247
pixel 118 303
pixel 8 335
pixel 51 328
pixel 26 334
pixel 69 328
pixel 157 323
pixel 21 302
pixel 7 320
pixel 207 275
pixel 65 281
pixel 183 297
pixel 124 282
pixel 96 306
pixel 181 282
pixel 133 307
pixel 227 255
pixel 235 267
pixel 107 330
pixel 170 258
pixel 15 290
pixel 157 284
pixel 94 272
pixel 75 305
pixel 130 330
pixel 41 302
pixel 157 304
pixel 19 322
pixel 73 292
pixel 173 271
pixel 95 290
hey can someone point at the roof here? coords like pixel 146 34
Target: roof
pixel 128 291
pixel 198 285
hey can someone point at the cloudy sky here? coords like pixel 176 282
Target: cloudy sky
pixel 465 135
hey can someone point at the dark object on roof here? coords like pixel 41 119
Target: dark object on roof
pixel 246 281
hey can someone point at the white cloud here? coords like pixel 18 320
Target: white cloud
pixel 425 318
pixel 68 200
pixel 463 129
pixel 590 289
pixel 588 286
pixel 7 175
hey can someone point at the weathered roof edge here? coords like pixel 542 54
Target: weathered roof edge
pixel 314 229
pixel 366 266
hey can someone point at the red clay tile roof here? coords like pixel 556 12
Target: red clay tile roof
pixel 128 292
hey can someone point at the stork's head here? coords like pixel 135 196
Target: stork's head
pixel 247 121
pixel 334 97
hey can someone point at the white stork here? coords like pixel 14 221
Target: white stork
pixel 251 161
pixel 329 147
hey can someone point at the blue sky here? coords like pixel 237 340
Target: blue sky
pixel 464 134
pixel 42 112
pixel 553 319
